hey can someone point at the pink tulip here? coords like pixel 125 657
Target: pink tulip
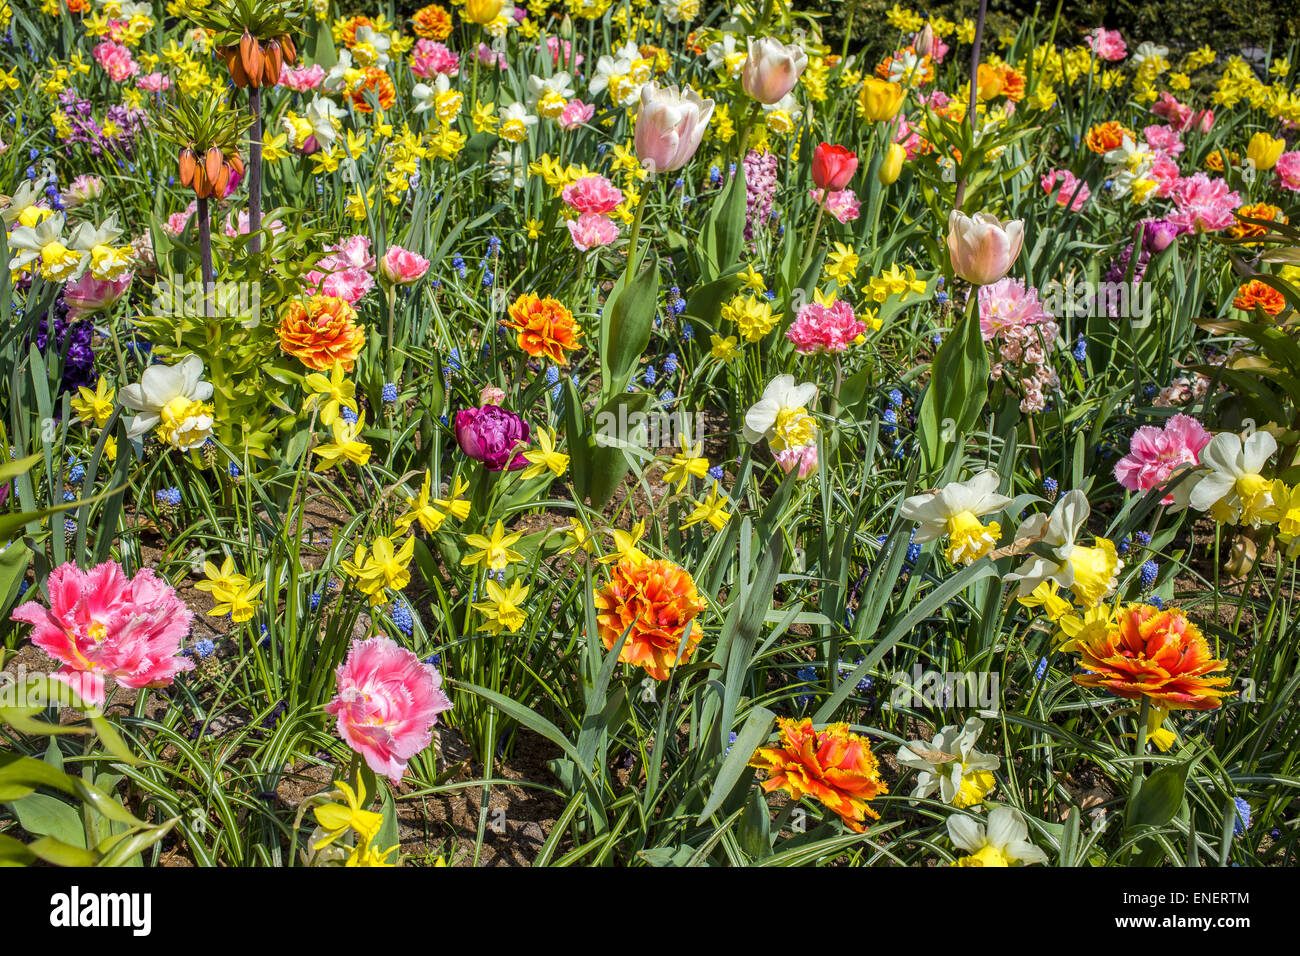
pixel 1107 44
pixel 88 295
pixel 982 247
pixel 771 69
pixel 1155 454
pixel 387 703
pixel 402 267
pixel 592 230
pixel 670 126
pixel 101 623
pixel 592 193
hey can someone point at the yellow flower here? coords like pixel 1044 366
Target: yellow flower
pixel 429 517
pixel 724 350
pixel 686 464
pixel 222 578
pixel 712 509
pixel 240 603
pixel 454 506
pixel 1045 596
pixel 752 278
pixel 753 316
pixel 625 545
pixel 96 406
pixel 842 264
pixel 533 227
pixel 345 446
pixel 337 818
pixel 495 551
pixel 1263 150
pixel 579 536
pixel 502 608
pixel 332 393
pixel 545 456
pixel 382 567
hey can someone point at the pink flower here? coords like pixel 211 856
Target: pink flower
pixel 576 113
pixel 430 58
pixel 101 623
pixel 488 57
pixel 1107 44
pixel 842 203
pixel 591 230
pixel 154 82
pixel 1165 172
pixel 237 225
pixel 1203 120
pixel 1203 204
pixel 303 78
pixel 350 253
pixel 592 193
pixel 88 295
pixel 177 221
pixel 821 328
pixel 1178 115
pixel 1287 171
pixel 387 703
pixel 1164 139
pixel 1071 191
pixel 346 272
pixel 116 61
pixel 402 267
pixel 803 457
pixel 1155 454
pixel 1007 306
pixel 553 44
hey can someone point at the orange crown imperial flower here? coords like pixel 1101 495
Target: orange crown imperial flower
pixel 1152 653
pixel 321 331
pixel 545 327
pixel 658 599
pixel 833 765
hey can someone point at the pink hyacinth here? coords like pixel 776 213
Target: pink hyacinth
pixel 822 328
pixel 592 193
pixel 1069 189
pixel 88 295
pixel 431 58
pixel 402 267
pixel 303 78
pixel 1107 44
pixel 1155 454
pixel 387 703
pixel 576 113
pixel 1203 204
pixel 116 61
pixel 843 204
pixel 592 230
pixel 103 624
pixel 1287 171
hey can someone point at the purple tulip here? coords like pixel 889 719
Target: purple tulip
pixel 491 435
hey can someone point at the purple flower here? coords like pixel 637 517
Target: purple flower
pixel 491 435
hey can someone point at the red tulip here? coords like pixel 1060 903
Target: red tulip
pixel 833 167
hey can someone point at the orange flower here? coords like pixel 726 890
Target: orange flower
pixel 1255 293
pixel 379 81
pixel 658 599
pixel 349 29
pixel 1260 210
pixel 1214 161
pixel 321 331
pixel 833 765
pixel 545 327
pixel 1104 137
pixel 1152 653
pixel 432 22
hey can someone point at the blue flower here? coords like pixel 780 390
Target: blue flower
pixel 349 416
pixel 716 473
pixel 1242 823
pixel 1080 351
pixel 1041 669
pixel 203 648
pixel 1149 572
pixel 1050 488
pixel 389 393
pixel 670 363
pixel 650 375
pixel 168 496
pixel 400 614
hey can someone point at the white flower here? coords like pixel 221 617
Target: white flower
pixel 560 84
pixel 29 242
pixel 1091 573
pixel 325 118
pixel 781 415
pixel 955 511
pixel 171 398
pixel 506 164
pixel 26 196
pixel 371 48
pixel 951 764
pixel 1005 841
pixel 1148 51
pixel 1231 485
pixel 724 55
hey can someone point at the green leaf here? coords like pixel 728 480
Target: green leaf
pixel 625 328
pixel 959 380
pixel 42 815
pixel 1159 797
pixel 751 735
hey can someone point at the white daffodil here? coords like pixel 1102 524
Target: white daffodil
pixel 1091 573
pixel 371 48
pixel 24 201
pixel 951 764
pixel 343 77
pixel 95 246
pixel 439 97
pixel 506 165
pixel 725 56
pixel 44 242
pixel 325 118
pixel 781 415
pixel 955 511
pixel 171 398
pixel 1003 842
pixel 784 115
pixel 515 123
pixel 1231 487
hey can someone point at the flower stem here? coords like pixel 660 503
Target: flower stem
pixel 255 170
